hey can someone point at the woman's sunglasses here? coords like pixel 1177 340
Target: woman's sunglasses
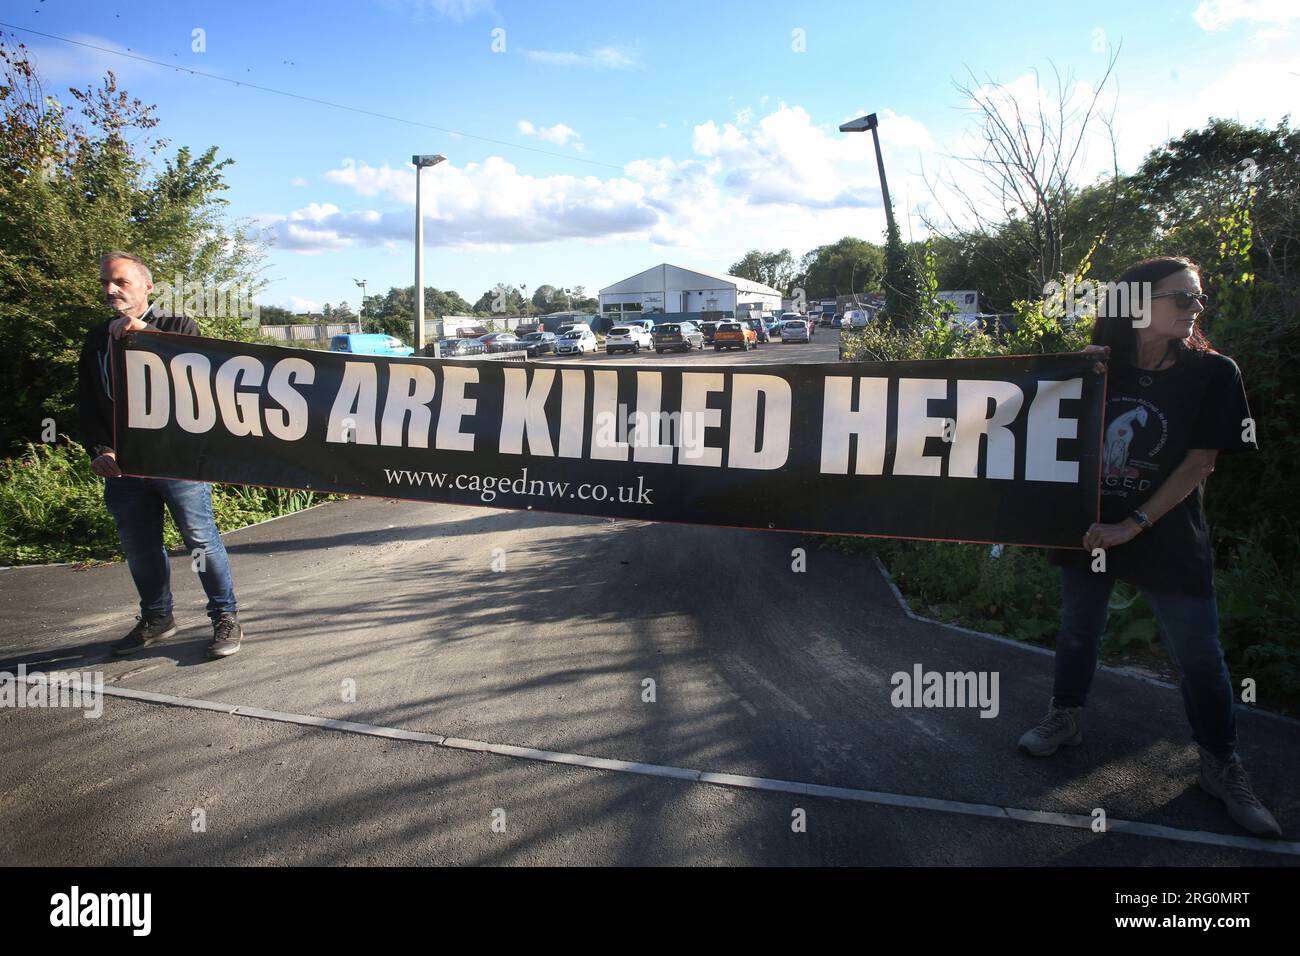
pixel 1184 300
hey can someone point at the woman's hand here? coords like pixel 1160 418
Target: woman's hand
pixel 1103 351
pixel 1109 535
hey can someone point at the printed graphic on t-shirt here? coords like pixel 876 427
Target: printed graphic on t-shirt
pixel 1133 441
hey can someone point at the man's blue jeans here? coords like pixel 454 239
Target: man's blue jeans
pixel 137 506
pixel 1190 628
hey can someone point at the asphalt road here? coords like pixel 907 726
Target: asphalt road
pixel 758 670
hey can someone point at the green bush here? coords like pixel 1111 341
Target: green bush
pixel 52 508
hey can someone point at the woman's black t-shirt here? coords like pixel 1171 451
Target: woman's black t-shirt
pixel 1153 418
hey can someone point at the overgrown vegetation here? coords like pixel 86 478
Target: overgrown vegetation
pixel 52 508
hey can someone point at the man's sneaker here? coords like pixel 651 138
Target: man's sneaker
pixel 147 631
pixel 226 635
pixel 1061 726
pixel 1227 780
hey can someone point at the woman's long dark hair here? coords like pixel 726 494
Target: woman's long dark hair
pixel 1115 314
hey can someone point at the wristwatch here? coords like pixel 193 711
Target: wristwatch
pixel 1141 518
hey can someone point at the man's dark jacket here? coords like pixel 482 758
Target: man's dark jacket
pixel 95 376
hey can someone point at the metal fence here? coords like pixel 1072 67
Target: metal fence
pixel 306 333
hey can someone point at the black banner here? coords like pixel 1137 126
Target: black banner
pixel 994 449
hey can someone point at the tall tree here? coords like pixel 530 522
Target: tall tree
pixel 775 269
pixel 847 266
pixel 1021 178
pixel 75 182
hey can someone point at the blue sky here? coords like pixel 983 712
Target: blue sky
pixel 631 133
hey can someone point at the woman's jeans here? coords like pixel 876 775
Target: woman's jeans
pixel 1190 627
pixel 137 506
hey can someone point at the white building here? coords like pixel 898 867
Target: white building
pixel 672 289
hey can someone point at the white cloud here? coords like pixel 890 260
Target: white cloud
pixel 785 158
pixel 488 204
pixel 297 181
pixel 559 134
pixel 600 58
pixel 65 63
pixel 1269 34
pixel 738 186
pixel 296 303
pixel 457 10
pixel 1213 15
pixel 1262 87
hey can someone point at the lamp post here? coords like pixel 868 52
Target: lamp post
pixel 861 125
pixel 361 311
pixel 420 161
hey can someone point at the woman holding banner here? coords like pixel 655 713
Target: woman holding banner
pixel 1173 404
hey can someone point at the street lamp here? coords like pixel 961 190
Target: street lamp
pixel 420 161
pixel 361 311
pixel 861 125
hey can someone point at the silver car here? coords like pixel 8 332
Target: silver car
pixel 794 330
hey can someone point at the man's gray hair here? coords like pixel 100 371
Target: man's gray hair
pixel 108 257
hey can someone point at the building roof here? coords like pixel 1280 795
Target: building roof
pixel 665 276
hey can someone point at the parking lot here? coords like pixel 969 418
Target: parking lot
pixel 823 348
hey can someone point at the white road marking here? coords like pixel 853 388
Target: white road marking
pixel 741 781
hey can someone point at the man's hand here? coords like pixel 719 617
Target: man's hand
pixel 106 465
pixel 123 325
pixel 1110 535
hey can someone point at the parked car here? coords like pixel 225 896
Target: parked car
pixel 774 328
pixel 646 323
pixel 632 337
pixel 499 342
pixel 734 335
pixel 576 341
pixel 795 330
pixel 855 319
pixel 677 336
pixel 538 343
pixel 760 330
pixel 707 329
pixel 453 347
pixel 369 343
pixel 570 326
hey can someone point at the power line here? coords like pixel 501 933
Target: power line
pixel 312 99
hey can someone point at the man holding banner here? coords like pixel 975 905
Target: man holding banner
pixel 137 503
